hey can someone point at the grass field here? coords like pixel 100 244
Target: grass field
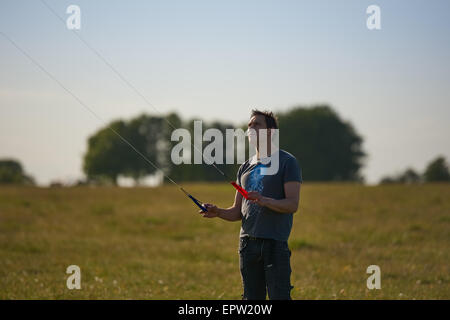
pixel 150 243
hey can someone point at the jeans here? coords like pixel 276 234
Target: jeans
pixel 265 267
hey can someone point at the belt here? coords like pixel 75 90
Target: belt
pixel 256 238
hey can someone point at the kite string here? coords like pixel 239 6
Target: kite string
pixel 197 202
pixel 126 81
pixel 84 105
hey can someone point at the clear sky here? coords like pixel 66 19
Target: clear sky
pixel 219 59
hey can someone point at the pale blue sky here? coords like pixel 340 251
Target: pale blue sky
pixel 219 59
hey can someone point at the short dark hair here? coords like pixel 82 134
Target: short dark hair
pixel 271 119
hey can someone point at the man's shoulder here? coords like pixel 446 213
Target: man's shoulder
pixel 286 155
pixel 244 165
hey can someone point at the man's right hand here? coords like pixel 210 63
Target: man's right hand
pixel 212 212
pixel 230 214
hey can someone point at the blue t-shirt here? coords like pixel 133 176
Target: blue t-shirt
pixel 263 222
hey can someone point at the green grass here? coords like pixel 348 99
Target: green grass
pixel 150 243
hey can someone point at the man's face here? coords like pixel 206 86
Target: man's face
pixel 257 122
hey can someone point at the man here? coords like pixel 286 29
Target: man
pixel 264 255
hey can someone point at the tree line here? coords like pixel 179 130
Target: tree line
pixel 327 147
pixel 436 171
pixel 11 172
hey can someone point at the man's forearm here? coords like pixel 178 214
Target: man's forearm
pixel 282 205
pixel 230 214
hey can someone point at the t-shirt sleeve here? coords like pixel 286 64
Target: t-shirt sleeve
pixel 292 171
pixel 238 175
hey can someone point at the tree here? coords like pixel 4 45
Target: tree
pixel 110 154
pixel 387 180
pixel 11 172
pixel 203 171
pixel 437 170
pixel 326 147
pixel 106 153
pixel 147 134
pixel 408 176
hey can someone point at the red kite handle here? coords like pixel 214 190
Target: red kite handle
pixel 240 189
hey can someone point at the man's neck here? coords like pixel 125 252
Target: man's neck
pixel 269 153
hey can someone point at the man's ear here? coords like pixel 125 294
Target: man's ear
pixel 274 137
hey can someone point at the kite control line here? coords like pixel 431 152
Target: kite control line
pixel 197 202
pixel 241 190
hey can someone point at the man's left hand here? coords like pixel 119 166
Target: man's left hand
pixel 256 197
